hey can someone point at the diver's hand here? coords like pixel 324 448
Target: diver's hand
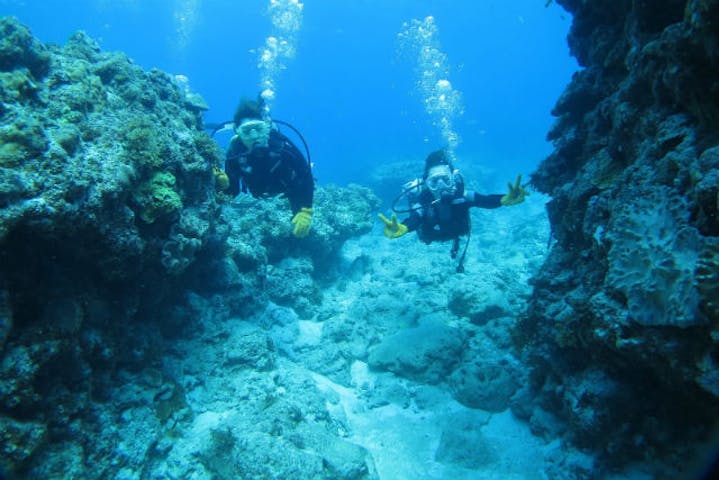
pixel 222 181
pixel 392 228
pixel 302 222
pixel 516 193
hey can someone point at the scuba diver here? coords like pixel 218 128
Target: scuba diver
pixel 439 205
pixel 261 160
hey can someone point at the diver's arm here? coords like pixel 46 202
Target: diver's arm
pixel 301 192
pixel 483 201
pixel 412 222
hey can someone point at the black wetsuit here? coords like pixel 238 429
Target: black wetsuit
pixel 276 169
pixel 448 218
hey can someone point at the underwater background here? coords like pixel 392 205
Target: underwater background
pixel 349 88
pixel 152 327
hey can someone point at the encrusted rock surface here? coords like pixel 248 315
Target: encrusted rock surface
pixel 623 324
pixel 114 246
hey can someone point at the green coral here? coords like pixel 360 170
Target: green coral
pixel 17 86
pixel 207 148
pixel 142 145
pixel 19 48
pixel 158 199
pixel 68 137
pixel 25 138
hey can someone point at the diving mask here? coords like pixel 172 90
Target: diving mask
pixel 440 181
pixel 254 133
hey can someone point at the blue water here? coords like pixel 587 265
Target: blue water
pixel 347 89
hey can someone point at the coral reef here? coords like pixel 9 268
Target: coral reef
pixel 151 328
pixel 157 198
pixel 64 172
pixel 623 307
pixel 114 247
pixel 253 257
pixel 99 176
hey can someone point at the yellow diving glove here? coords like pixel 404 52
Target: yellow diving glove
pixel 222 181
pixel 516 193
pixel 302 221
pixel 392 228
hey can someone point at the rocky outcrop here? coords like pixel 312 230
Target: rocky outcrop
pixel 106 197
pixel 623 323
pixel 114 246
pixel 99 158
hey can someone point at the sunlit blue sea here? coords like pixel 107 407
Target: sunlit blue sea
pixel 350 88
